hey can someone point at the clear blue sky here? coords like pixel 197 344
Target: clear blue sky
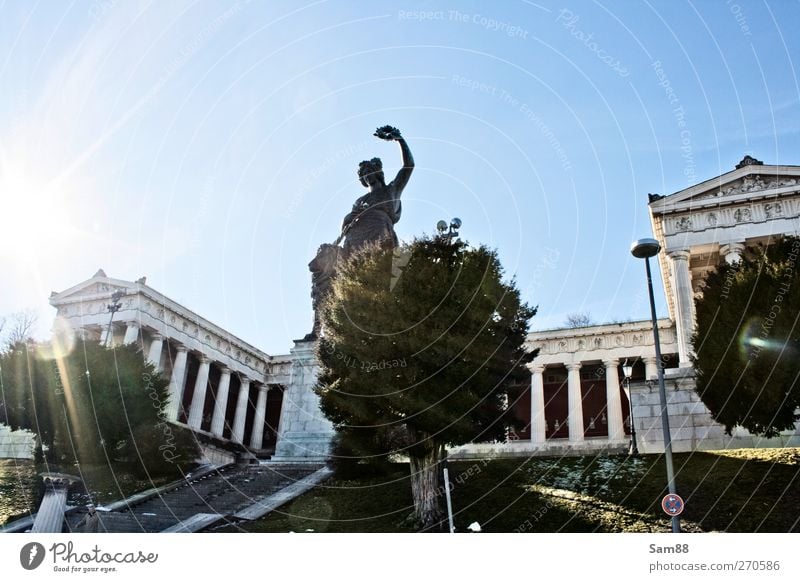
pixel 213 146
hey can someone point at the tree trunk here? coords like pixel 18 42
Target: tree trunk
pixel 426 486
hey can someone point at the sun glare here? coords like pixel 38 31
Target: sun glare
pixel 33 217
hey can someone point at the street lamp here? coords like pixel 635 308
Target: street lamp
pixel 627 370
pixel 448 231
pixel 113 307
pixel 644 249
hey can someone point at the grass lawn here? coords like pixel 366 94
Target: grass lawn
pixel 748 490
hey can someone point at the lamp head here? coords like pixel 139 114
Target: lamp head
pixel 644 248
pixel 627 369
pixel 441 226
pixel 455 224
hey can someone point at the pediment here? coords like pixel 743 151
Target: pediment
pixel 90 289
pixel 748 180
pixel 749 184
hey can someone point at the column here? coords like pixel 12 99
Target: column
pixel 199 395
pixel 221 402
pixel 575 399
pixel 732 252
pixel 684 303
pixel 616 426
pixel 154 353
pixel 650 368
pixel 537 405
pixel 176 384
pixel 237 433
pixel 257 433
pixel 131 333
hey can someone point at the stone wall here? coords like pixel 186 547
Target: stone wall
pixel 16 444
pixel 691 425
pixel 216 456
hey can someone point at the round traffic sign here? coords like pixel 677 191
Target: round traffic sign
pixel 672 504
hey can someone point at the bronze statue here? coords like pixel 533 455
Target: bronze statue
pixel 372 219
pixel 375 213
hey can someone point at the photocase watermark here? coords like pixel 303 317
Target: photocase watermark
pixel 461 478
pixel 66 559
pixel 477 19
pixel 678 112
pixel 528 524
pixel 527 112
pixel 186 52
pixel 59 387
pixel 366 366
pixel 206 193
pixel 95 559
pixel 776 307
pixel 736 10
pixel 168 447
pixel 727 285
pixel 547 261
pixel 569 20
pixel 99 8
pixel 32 555
pixel 311 177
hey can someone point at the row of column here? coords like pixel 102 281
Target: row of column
pixel 683 292
pixel 616 428
pixel 195 416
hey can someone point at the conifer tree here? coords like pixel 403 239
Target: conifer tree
pixel 420 345
pixel 93 405
pixel 747 343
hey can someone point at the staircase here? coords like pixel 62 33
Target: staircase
pixel 196 503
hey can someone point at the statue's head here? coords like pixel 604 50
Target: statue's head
pixel 325 261
pixel 370 172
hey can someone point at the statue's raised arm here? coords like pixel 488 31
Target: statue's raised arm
pixel 370 221
pixel 390 133
pixel 374 214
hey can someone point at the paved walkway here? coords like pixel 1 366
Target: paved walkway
pixel 210 499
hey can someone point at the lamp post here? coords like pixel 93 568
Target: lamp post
pixel 627 370
pixel 113 307
pixel 644 249
pixel 448 232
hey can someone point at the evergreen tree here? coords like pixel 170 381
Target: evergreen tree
pixel 420 345
pixel 93 405
pixel 747 342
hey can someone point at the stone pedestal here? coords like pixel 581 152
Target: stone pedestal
pixel 50 517
pixel 304 434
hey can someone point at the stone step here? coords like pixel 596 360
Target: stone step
pixel 191 504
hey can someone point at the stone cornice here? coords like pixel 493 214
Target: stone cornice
pixel 161 314
pixel 713 186
pixel 593 330
pixel 603 342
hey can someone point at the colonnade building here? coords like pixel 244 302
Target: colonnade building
pixel 238 398
pixel 577 399
pixel 231 394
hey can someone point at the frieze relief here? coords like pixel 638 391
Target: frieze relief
pixel 606 341
pixel 752 183
pixel 727 217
